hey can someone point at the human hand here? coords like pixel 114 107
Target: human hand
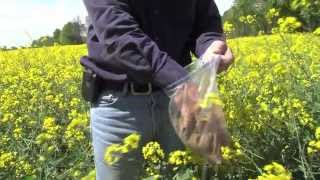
pixel 221 49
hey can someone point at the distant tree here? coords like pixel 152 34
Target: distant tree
pixel 82 27
pixel 35 43
pixel 46 41
pixel 4 48
pixel 56 36
pixel 307 12
pixel 43 41
pixel 243 8
pixel 72 32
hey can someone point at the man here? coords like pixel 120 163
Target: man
pixel 139 48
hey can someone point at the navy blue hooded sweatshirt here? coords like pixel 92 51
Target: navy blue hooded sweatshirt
pixel 148 40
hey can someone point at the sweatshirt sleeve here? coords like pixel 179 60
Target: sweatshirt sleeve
pixel 208 26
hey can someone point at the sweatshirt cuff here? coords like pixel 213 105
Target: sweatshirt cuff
pixel 170 75
pixel 205 40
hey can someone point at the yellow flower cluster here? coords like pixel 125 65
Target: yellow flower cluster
pixel 24 168
pixel 211 99
pixel 314 145
pixel 179 158
pixel 288 24
pixel 6 118
pixel 132 141
pixel 233 153
pixel 269 96
pixel 7 159
pixel 266 90
pixel 300 4
pixel 152 172
pixel 249 19
pixel 74 133
pixel 317 31
pixel 50 131
pixel 272 13
pixel 152 152
pixel 228 27
pixel 4 140
pixel 90 176
pixel 113 152
pixel 275 171
pixel 10 161
pixel 39 88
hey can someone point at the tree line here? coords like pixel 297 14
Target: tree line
pixel 244 18
pixel 73 32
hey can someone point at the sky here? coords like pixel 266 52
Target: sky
pixel 22 21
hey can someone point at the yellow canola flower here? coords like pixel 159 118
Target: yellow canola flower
pixel 314 145
pixel 114 151
pixel 24 168
pixel 317 133
pixel 288 24
pixel 272 13
pixel 228 27
pixel 50 125
pixel 317 31
pixel 110 156
pixel 226 153
pixel 233 153
pixel 249 19
pixel 275 171
pixel 132 141
pixel 4 140
pixel 75 102
pixel 157 177
pixel 50 131
pixel 242 18
pixel 179 158
pixel 91 175
pixel 7 159
pixel 7 118
pixel 75 129
pixel 152 152
pixel 264 106
pixel 17 133
pixel 211 99
pixel 32 80
pixel 300 4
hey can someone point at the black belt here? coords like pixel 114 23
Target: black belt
pixel 133 88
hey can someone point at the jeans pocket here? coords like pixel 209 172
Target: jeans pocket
pixel 107 98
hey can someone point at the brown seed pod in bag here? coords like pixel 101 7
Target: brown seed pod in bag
pixel 204 131
pixel 201 129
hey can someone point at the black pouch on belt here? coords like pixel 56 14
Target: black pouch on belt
pixel 90 85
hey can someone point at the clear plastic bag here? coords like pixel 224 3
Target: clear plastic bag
pixel 196 110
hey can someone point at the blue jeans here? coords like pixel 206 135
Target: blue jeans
pixel 116 115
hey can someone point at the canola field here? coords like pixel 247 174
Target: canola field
pixel 271 98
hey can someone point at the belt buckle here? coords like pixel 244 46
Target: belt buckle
pixel 133 92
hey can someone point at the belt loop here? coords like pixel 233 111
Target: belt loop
pixel 125 89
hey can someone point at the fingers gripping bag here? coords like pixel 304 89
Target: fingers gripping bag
pixel 196 110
